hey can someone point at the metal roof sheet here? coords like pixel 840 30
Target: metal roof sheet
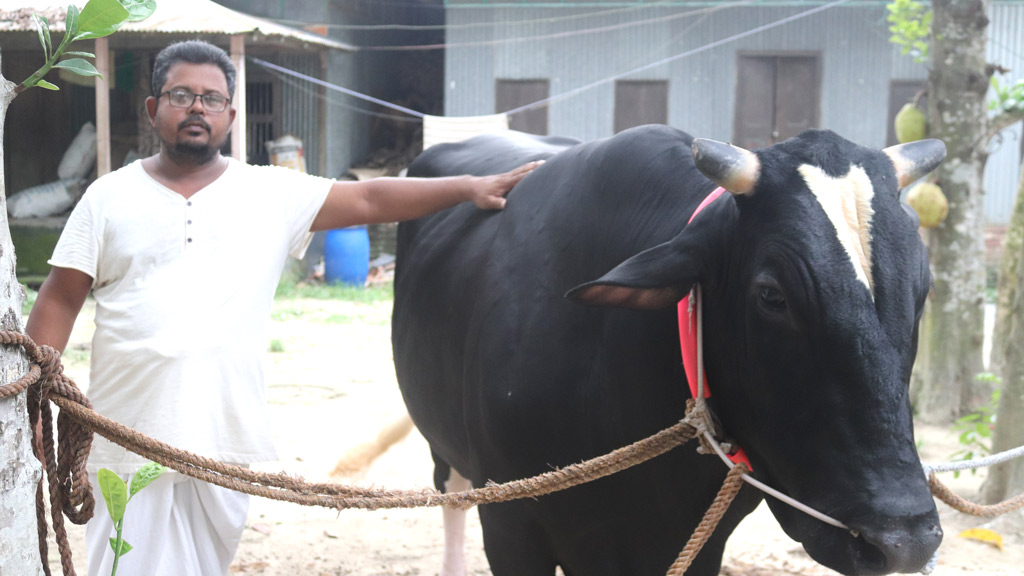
pixel 170 17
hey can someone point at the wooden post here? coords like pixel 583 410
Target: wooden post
pixel 238 137
pixel 322 115
pixel 102 52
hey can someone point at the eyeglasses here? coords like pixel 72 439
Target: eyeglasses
pixel 181 98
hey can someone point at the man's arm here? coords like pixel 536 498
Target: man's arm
pixel 397 199
pixel 59 301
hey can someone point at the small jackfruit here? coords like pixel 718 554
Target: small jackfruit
pixel 929 202
pixel 911 124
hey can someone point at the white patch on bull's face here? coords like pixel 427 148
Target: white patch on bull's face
pixel 847 203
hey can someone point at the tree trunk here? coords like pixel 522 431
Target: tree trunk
pixel 953 325
pixel 19 470
pixel 1007 479
pixel 1009 286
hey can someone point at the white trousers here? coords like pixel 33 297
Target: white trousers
pixel 177 526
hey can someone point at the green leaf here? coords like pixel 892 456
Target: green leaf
pixel 114 492
pixel 139 9
pixel 125 547
pixel 71 22
pixel 78 66
pixel 100 18
pixel 43 27
pixel 145 476
pixel 44 84
pixel 82 54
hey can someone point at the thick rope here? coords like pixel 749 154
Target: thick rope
pixel 71 493
pixel 64 466
pixel 730 488
pixel 292 489
pixel 942 492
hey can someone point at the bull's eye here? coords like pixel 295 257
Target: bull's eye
pixel 771 299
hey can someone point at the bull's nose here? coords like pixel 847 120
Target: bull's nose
pixel 906 548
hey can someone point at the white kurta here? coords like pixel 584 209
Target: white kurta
pixel 183 291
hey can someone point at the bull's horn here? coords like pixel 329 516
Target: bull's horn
pixel 915 159
pixel 731 167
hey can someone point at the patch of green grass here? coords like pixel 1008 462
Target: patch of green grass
pixel 276 345
pixel 321 291
pixel 286 313
pixel 30 301
pixel 76 356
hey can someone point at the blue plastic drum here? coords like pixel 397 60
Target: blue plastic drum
pixel 347 255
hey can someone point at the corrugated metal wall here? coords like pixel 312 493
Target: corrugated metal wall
pixel 1002 172
pixel 857 60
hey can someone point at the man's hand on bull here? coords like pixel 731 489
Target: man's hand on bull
pixel 489 192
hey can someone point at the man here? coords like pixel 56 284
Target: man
pixel 183 251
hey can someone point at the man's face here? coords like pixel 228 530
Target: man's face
pixel 195 132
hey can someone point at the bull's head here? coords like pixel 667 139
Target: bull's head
pixel 814 280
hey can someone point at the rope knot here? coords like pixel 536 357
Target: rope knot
pixel 703 421
pixel 63 462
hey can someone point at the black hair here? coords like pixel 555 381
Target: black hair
pixel 193 52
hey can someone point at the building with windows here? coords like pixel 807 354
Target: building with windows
pixel 752 72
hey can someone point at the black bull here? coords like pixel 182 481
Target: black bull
pixel 808 359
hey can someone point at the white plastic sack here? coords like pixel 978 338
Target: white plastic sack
pixel 80 156
pixel 286 151
pixel 43 200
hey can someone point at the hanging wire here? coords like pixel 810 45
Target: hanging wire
pixel 680 56
pixel 335 87
pixel 556 35
pixel 575 91
pixel 334 102
pixel 470 25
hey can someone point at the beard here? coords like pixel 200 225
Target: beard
pixel 197 153
pixel 193 152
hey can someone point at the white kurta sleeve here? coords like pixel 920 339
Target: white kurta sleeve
pixel 79 243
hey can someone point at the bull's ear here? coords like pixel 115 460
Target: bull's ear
pixel 661 276
pixel 655 278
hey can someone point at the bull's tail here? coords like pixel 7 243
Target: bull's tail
pixel 358 459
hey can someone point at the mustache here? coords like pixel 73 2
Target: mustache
pixel 194 119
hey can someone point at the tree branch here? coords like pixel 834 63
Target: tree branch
pixel 1001 122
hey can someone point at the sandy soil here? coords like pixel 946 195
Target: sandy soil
pixel 333 389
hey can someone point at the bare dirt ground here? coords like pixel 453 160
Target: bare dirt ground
pixel 332 388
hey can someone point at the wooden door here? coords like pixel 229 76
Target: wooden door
pixel 511 94
pixel 777 97
pixel 639 102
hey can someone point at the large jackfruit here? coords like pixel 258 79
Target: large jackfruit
pixel 929 202
pixel 911 124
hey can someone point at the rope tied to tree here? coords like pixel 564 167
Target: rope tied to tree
pixel 71 494
pixel 64 465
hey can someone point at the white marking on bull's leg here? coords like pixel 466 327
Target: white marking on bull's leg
pixel 847 203
pixel 454 562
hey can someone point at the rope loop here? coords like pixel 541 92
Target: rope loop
pixel 64 464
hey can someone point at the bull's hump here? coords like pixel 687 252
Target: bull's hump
pixel 846 201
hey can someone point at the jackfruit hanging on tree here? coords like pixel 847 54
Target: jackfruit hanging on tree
pixel 911 124
pixel 929 202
